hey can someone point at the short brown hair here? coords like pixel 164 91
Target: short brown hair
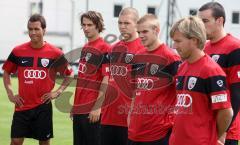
pixel 217 10
pixel 36 18
pixel 96 18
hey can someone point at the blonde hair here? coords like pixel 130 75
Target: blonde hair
pixel 151 18
pixel 130 11
pixel 191 27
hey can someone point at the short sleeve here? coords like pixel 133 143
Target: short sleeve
pixel 10 64
pixel 218 92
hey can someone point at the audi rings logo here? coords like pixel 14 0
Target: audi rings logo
pixel 34 74
pixel 118 70
pixel 146 84
pixel 82 68
pixel 184 100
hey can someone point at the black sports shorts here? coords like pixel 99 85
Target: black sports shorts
pixel 231 142
pixel 34 123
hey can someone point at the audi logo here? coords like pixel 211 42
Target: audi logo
pixel 146 84
pixel 184 100
pixel 118 70
pixel 34 74
pixel 82 68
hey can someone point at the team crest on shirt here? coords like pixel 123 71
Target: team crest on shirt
pixel 154 69
pixel 220 83
pixel 128 57
pixel 215 57
pixel 88 56
pixel 44 62
pixel 192 82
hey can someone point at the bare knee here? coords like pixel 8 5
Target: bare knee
pixel 17 141
pixel 47 142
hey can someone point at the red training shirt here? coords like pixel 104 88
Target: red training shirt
pixel 226 53
pixel 36 70
pixel 152 114
pixel 201 92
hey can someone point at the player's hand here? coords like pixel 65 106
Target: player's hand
pixel 221 140
pixel 94 115
pixel 71 115
pixel 220 143
pixel 50 96
pixel 128 120
pixel 17 100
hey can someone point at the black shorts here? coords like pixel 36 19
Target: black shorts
pixel 84 132
pixel 34 123
pixel 231 142
pixel 163 141
pixel 114 135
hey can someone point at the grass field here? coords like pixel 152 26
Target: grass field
pixel 61 121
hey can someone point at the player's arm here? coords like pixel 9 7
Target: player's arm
pixel 16 99
pixel 10 66
pixel 54 94
pixel 62 66
pixel 235 98
pixel 131 109
pixel 234 80
pixel 172 68
pixel 216 87
pixel 95 113
pixel 224 118
pixel 66 81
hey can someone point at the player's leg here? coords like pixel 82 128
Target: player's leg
pixel 113 135
pixel 91 131
pixel 42 124
pixel 107 135
pixel 20 127
pixel 78 134
pixel 47 142
pixel 17 141
pixel 121 135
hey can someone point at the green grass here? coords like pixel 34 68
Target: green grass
pixel 62 124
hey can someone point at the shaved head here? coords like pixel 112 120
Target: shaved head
pixel 130 11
